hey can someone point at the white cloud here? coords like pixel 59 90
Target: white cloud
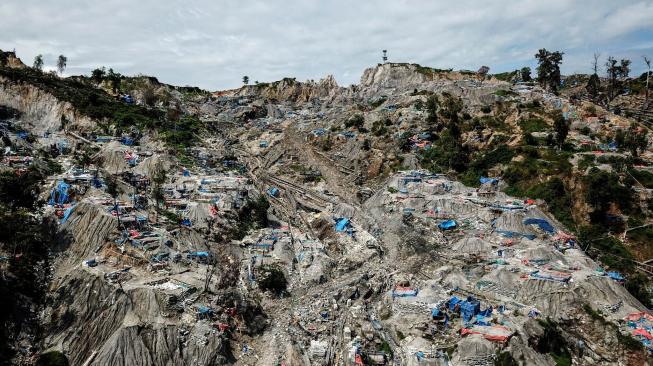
pixel 212 44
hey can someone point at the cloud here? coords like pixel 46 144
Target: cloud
pixel 212 44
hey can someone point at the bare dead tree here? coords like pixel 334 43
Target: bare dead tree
pixel 647 60
pixel 595 64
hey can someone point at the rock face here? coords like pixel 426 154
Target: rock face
pixel 40 112
pixel 93 321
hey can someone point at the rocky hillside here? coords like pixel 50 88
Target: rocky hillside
pixel 422 216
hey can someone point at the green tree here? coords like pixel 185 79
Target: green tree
pixel 62 62
pixel 616 72
pixel 245 79
pixel 38 63
pixel 548 69
pixel 525 74
pixel 635 139
pixel 114 191
pixel 98 74
pixel 604 189
pixel 432 109
pixel 561 128
pixel 115 79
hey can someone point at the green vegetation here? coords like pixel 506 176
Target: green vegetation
pixel 643 177
pixel 253 215
pixel 505 359
pixel 357 121
pixel 53 358
pixel 385 348
pixel 270 277
pixel 533 125
pixel 553 343
pixel 377 103
pixel 87 99
pixel 25 244
pixel 507 76
pixel 505 93
pixel 604 190
pixel 479 166
pixel 608 249
pixel 593 313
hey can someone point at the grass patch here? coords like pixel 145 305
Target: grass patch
pixel 505 93
pixel 533 125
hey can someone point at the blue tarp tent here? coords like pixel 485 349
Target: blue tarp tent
pixel 186 222
pixel 273 192
pixel 447 225
pixel 542 223
pixel 342 224
pixel 453 301
pixel 127 141
pixel 59 195
pixel 484 180
pixel 469 308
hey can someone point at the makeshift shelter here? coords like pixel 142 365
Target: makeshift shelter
pixel 59 195
pixel 447 225
pixel 542 223
pixel 273 192
pixel 496 333
pixel 342 224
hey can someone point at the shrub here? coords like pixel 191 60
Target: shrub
pixel 271 278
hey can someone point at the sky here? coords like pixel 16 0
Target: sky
pixel 214 43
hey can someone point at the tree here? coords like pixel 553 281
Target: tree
pixel 98 74
pixel 647 61
pixel 114 191
pixel 635 139
pixel 245 79
pixel 593 87
pixel 62 61
pixel 548 69
pixel 38 63
pixel 525 74
pixel 595 63
pixel 432 109
pixel 115 79
pixel 616 72
pixel 561 127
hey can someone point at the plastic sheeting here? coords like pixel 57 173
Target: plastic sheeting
pixel 448 225
pixel 484 180
pixel 342 224
pixel 542 223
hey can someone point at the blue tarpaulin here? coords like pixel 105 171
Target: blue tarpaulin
pixel 186 222
pixel 59 195
pixel 616 276
pixel 447 225
pixel 22 135
pixel 273 192
pixel 66 214
pixel 342 224
pixel 513 234
pixel 186 173
pixel 469 308
pixel 542 223
pixel 488 180
pixel 453 301
pixel 127 141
